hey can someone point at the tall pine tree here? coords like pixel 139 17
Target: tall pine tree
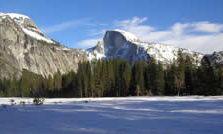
pixel 180 74
pixel 160 79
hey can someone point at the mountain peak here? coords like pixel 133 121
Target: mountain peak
pixel 18 18
pixel 14 15
pixel 27 25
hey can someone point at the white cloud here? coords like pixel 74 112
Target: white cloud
pixel 179 28
pixel 206 26
pixel 130 22
pixel 88 43
pixel 64 25
pixel 203 44
pixel 202 36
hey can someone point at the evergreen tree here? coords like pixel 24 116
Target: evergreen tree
pixel 98 83
pixel 104 79
pixel 4 87
pixel 67 79
pixel 85 79
pixel 12 90
pixel 74 87
pixel 220 81
pixel 50 83
pixel 116 88
pixel 1 88
pixel 180 74
pixel 57 80
pixel 110 83
pixel 138 78
pixel 207 83
pixel 25 86
pixel 170 79
pixel 125 77
pixel 153 76
pixel 89 80
pixel 160 78
pixel 190 78
pixel 80 84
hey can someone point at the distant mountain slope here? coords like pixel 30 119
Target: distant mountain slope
pixel 24 46
pixel 122 44
pixel 216 59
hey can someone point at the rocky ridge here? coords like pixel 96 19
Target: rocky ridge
pixel 24 46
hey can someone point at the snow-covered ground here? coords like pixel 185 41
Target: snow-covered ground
pixel 126 115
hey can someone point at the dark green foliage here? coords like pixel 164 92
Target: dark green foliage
pixel 190 76
pixel 125 78
pixel 99 78
pixel 30 84
pixel 170 79
pixel 161 80
pixel 179 80
pixel 153 75
pixel 207 78
pixel 110 79
pixel 138 81
pixel 115 77
pixel 220 81
pixel 57 81
pixel 50 84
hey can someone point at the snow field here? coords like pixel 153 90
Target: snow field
pixel 122 115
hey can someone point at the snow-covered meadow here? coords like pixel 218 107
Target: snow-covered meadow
pixel 126 115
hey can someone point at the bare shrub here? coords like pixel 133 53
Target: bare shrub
pixel 38 101
pixel 12 102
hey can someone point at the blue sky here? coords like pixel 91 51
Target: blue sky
pixel 194 24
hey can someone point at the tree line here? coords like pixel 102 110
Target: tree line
pixel 116 77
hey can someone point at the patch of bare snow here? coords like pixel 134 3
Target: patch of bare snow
pixel 36 35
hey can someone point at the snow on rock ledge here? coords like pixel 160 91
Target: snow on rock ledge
pixel 36 35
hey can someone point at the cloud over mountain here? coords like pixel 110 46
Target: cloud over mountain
pixel 202 36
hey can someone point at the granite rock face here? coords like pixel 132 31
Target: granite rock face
pixel 119 46
pixel 125 45
pixel 216 59
pixel 24 46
